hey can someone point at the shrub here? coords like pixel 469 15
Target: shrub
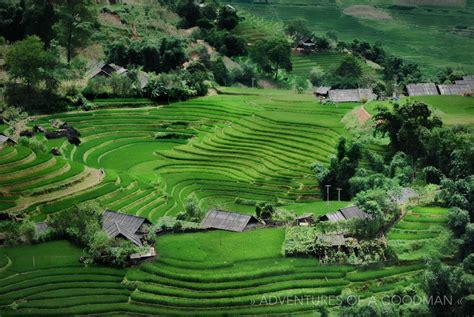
pixel 458 220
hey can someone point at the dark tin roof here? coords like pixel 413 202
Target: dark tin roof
pixel 116 223
pixel 230 221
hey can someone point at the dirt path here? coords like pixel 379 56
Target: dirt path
pixel 362 115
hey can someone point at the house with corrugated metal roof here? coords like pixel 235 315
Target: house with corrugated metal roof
pixel 457 89
pixel 230 221
pixel 423 89
pixel 351 95
pixel 346 213
pixel 116 224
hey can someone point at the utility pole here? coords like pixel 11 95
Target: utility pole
pixel 327 193
pixel 339 194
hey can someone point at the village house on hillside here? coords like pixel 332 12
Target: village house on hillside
pixel 306 46
pixel 346 213
pixel 108 69
pixel 457 89
pixel 6 141
pixel 230 221
pixel 351 95
pixel 423 89
pixel 132 228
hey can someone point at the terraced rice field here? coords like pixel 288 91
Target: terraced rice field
pixel 429 36
pixel 205 274
pixel 250 144
pixel 422 231
pixel 324 61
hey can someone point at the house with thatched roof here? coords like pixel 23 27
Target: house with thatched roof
pixel 230 221
pixel 351 95
pixel 116 224
pixel 468 82
pixel 6 141
pixel 423 89
pixel 457 89
pixel 346 213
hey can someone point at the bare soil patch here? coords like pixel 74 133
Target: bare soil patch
pixel 367 12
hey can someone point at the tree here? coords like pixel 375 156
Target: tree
pixel 227 18
pixel 341 169
pixel 12 27
pixel 74 26
pixel 264 210
pixel 25 61
pixel 220 72
pixel 272 55
pixel 347 75
pixel 442 281
pixel 298 30
pixel 39 18
pixel 458 220
pixel 192 211
pixel 407 126
pixel 172 52
pixel 189 11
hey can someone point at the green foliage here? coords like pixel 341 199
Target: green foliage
pixel 38 146
pixel 75 24
pixel 192 212
pixel 166 55
pixel 458 220
pixel 220 72
pixel 443 281
pixel 78 223
pixel 346 75
pixel 180 85
pixel 264 210
pixel 341 169
pixel 407 127
pixel 17 231
pixel 298 30
pixel 458 193
pixel 227 18
pixel 272 55
pixel 299 241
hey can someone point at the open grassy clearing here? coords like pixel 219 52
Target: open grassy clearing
pixel 430 36
pixel 252 145
pixel 304 64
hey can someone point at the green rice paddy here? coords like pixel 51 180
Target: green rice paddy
pixel 205 274
pixel 429 36
pixel 250 145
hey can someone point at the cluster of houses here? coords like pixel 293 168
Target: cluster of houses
pixel 460 87
pixel 464 87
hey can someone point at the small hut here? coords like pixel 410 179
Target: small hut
pixel 351 95
pixel 230 221
pixel 321 91
pixel 116 224
pixel 6 141
pixel 460 90
pixel 305 220
pixel 306 46
pixel 346 213
pixel 424 89
pixel 105 69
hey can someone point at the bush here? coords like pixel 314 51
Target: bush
pixel 458 220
